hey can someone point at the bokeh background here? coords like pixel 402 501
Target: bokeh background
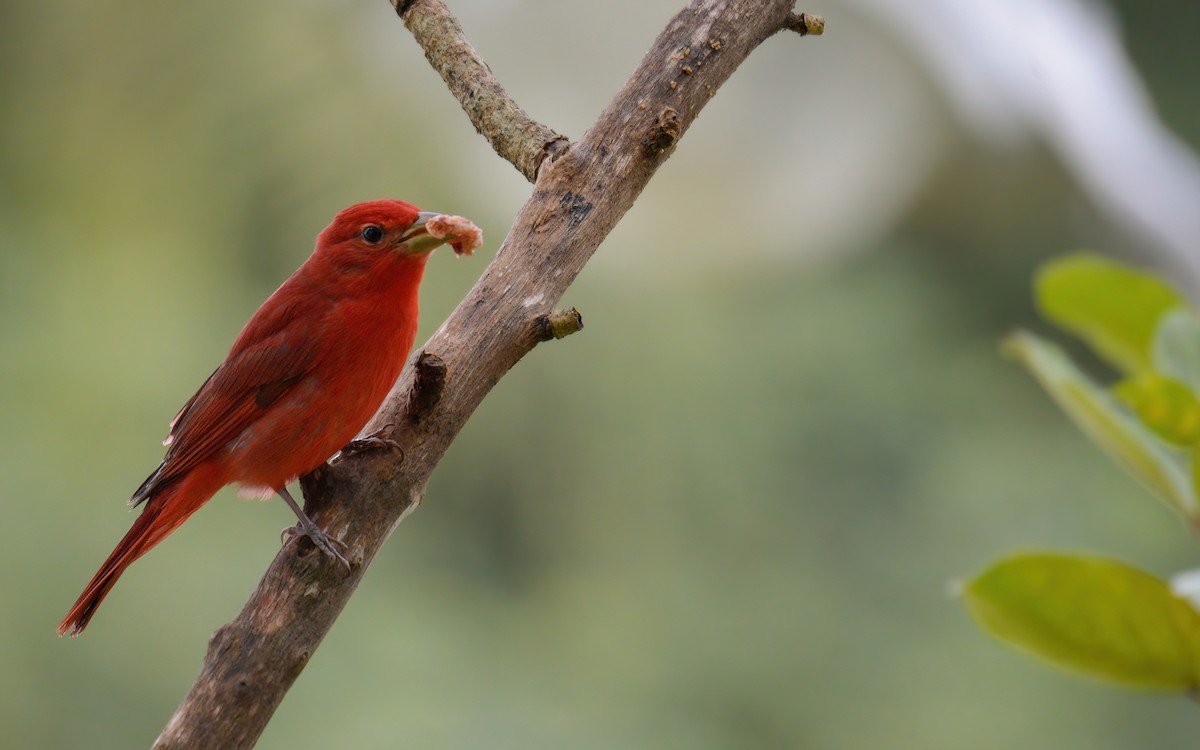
pixel 730 513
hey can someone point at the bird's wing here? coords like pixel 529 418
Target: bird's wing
pixel 274 352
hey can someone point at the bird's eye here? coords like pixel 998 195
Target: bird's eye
pixel 371 234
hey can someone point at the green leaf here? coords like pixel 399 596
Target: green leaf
pixel 1166 471
pixel 1112 307
pixel 1166 406
pixel 1097 616
pixel 1176 348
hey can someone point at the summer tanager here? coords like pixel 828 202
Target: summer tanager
pixel 303 377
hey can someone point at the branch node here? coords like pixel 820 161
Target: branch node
pixel 300 660
pixel 805 24
pixel 220 638
pixel 558 324
pixel 316 486
pixel 428 385
pixel 556 148
pixel 661 138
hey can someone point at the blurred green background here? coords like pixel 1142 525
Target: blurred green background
pixel 726 515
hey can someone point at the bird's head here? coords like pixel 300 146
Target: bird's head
pixel 381 226
pixel 375 243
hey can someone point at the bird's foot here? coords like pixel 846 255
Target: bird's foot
pixel 320 539
pixel 331 547
pixel 373 442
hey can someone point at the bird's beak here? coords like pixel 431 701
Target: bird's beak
pixel 417 240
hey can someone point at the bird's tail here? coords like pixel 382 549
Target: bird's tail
pixel 165 511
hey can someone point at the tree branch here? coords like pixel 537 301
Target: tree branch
pixel 805 24
pixel 577 199
pixel 515 135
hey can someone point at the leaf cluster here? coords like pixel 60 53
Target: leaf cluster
pixel 1100 616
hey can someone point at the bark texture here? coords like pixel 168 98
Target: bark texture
pixel 581 191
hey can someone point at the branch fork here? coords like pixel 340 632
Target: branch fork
pixel 580 192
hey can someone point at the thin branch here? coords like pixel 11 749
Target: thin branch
pixel 805 24
pixel 577 199
pixel 515 135
pixel 558 325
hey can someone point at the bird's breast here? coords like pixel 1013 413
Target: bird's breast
pixel 362 353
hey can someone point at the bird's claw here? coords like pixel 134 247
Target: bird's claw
pixel 372 442
pixel 322 541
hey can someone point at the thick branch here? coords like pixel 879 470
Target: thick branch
pixel 515 135
pixel 577 199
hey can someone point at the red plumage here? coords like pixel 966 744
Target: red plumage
pixel 309 369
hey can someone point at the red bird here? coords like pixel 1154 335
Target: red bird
pixel 303 377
